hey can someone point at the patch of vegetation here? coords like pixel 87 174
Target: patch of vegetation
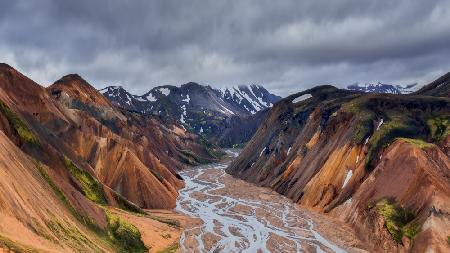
pixel 15 246
pixel 212 150
pixel 439 127
pixel 72 236
pixel 404 116
pixel 398 221
pixel 127 205
pixel 189 157
pixel 399 126
pixel 171 249
pixel 119 233
pixel 215 153
pixel 22 130
pixel 92 189
pixel 124 235
pixel 86 220
pixel 448 239
pixel 364 121
pixel 417 142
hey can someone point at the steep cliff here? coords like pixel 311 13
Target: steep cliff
pixel 379 162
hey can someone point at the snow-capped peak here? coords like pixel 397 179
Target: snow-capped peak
pixel 379 87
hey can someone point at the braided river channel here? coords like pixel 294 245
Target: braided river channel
pixel 230 215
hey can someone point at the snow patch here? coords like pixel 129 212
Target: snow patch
pixel 301 98
pixel 164 91
pixel 187 99
pixel 183 114
pixel 347 177
pixel 264 149
pixel 150 97
pixel 380 123
pixel 289 150
pixel 225 110
pixel 140 99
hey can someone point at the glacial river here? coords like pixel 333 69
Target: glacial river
pixel 231 215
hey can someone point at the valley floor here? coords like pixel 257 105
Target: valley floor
pixel 234 216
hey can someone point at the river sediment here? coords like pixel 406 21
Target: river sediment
pixel 231 215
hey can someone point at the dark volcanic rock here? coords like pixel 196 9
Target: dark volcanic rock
pixel 227 116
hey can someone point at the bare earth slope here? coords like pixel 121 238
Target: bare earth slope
pixel 69 158
pixel 379 162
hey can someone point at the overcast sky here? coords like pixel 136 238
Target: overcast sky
pixel 285 46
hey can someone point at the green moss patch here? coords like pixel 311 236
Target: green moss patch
pixel 72 236
pixel 119 234
pixel 417 142
pixel 398 221
pixel 92 189
pixel 439 127
pixel 124 235
pixel 392 128
pixel 86 220
pixel 22 130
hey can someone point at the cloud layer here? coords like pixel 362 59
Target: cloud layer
pixel 286 46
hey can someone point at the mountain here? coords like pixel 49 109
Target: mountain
pixel 438 88
pixel 383 88
pixel 378 162
pixel 71 162
pixel 199 108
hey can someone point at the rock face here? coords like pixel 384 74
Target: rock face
pixel 378 162
pixel 66 150
pixel 201 109
pixel 383 88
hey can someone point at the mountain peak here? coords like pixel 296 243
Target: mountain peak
pixel 76 87
pixel 5 65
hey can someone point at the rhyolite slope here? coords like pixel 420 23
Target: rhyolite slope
pixel 377 161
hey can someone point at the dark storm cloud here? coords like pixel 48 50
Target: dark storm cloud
pixel 284 45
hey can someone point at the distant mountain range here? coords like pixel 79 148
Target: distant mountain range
pixel 199 108
pixel 383 88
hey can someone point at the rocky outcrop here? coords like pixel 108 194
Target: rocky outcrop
pixel 365 158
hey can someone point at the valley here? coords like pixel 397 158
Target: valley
pixel 234 216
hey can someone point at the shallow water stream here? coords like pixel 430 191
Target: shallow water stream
pixel 235 216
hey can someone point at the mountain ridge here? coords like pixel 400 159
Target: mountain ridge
pixel 383 88
pixel 89 157
pixel 353 155
pixel 201 109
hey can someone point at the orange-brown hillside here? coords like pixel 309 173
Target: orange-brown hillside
pixel 79 156
pixel 377 161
